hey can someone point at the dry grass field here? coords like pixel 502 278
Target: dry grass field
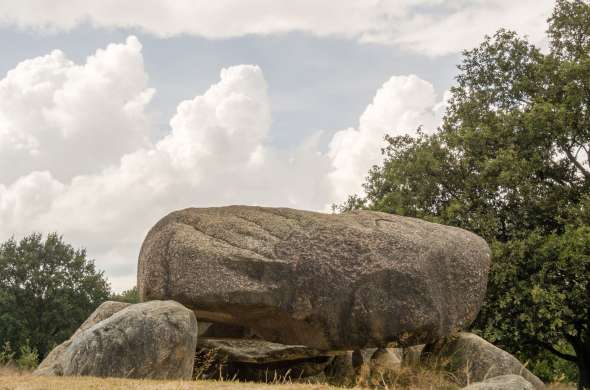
pixel 13 379
pixel 28 382
pixel 19 380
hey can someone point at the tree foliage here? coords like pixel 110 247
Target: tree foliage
pixel 47 289
pixel 128 296
pixel 510 163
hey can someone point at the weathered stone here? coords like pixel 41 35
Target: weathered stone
pixel 52 364
pixel 342 369
pixel 411 355
pixel 472 359
pixel 384 360
pixel 504 382
pixel 155 339
pixel 257 360
pixel 331 282
pixel 258 351
pixel 345 369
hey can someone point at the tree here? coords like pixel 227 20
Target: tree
pixel 47 289
pixel 128 296
pixel 510 163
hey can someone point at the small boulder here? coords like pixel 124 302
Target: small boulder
pixel 342 370
pixel 155 339
pixel 53 364
pixel 504 382
pixel 347 368
pixel 385 360
pixel 472 359
pixel 329 281
pixel 411 355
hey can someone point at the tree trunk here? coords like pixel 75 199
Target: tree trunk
pixel 583 354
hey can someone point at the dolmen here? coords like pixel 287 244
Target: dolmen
pixel 256 292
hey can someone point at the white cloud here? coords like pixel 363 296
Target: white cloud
pixel 232 118
pixel 216 152
pixel 71 119
pixel 401 105
pixel 467 22
pixel 432 27
pixel 26 199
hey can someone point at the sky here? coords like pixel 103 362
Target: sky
pixel 113 114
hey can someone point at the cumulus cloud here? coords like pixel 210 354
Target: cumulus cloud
pixel 399 107
pixel 419 25
pixel 211 134
pixel 216 152
pixel 88 115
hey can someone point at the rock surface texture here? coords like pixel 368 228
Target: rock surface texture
pixel 257 351
pixel 330 282
pixel 472 359
pixel 256 360
pixel 53 363
pixel 156 339
pixel 385 359
pixel 504 382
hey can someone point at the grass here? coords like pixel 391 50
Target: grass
pixel 11 378
pixel 405 378
pixel 29 382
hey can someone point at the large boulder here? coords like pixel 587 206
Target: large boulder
pixel 504 382
pixel 472 359
pixel 155 339
pixel 257 360
pixel 53 363
pixel 331 282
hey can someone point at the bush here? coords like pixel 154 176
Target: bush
pixel 28 357
pixel 7 354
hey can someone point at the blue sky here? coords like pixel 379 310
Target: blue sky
pixel 114 114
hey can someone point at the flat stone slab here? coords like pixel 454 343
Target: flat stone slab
pixel 259 351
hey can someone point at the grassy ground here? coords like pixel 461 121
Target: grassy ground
pixel 28 382
pixel 12 379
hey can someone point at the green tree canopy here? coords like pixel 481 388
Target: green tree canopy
pixel 128 296
pixel 47 289
pixel 510 163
